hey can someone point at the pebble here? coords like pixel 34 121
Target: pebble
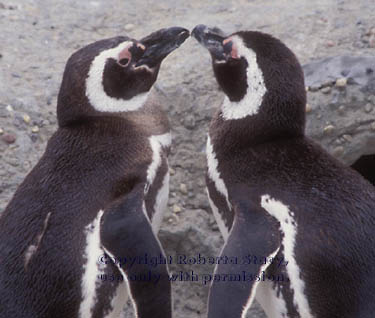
pixel 341 82
pixel 371 99
pixel 26 118
pixel 330 43
pixel 176 209
pixel 348 138
pixel 326 90
pixel 173 218
pixel 9 138
pixel 308 108
pixel 341 110
pixel 328 129
pixel 189 122
pixel 172 172
pixel 35 129
pixel 129 27
pixel 368 108
pixel 373 126
pixel 371 41
pixel 307 88
pixel 9 108
pixel 1 131
pixel 183 188
pixel 338 151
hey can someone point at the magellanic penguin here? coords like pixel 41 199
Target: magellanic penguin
pixel 299 226
pixel 79 234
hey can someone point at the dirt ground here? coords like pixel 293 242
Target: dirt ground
pixel 37 37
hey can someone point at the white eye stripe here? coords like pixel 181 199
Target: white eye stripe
pixel 249 105
pixel 95 90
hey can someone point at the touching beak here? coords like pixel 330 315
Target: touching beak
pixel 212 39
pixel 160 43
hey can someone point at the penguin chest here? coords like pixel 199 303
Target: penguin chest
pixel 217 192
pixel 157 185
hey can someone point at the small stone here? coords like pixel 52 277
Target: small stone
pixel 9 108
pixel 189 122
pixel 1 131
pixel 26 118
pixel 371 41
pixel 176 209
pixel 35 129
pixel 183 188
pixel 129 27
pixel 326 90
pixel 308 108
pixel 368 108
pixel 341 110
pixel 172 172
pixel 313 88
pixel 328 129
pixel 330 43
pixel 307 88
pixel 371 99
pixel 9 138
pixel 173 218
pixel 341 82
pixel 338 151
pixel 347 138
pixel 373 126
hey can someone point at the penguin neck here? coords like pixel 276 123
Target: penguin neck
pixel 72 113
pixel 252 130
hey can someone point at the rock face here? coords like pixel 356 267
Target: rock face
pixel 36 40
pixel 341 105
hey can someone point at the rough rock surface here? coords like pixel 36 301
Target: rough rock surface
pixel 341 105
pixel 37 37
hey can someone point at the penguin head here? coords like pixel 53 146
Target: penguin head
pixel 261 78
pixel 114 75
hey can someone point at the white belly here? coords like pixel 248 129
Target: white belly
pixel 273 306
pixel 160 206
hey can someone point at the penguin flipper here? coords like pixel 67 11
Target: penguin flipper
pixel 234 282
pixel 126 235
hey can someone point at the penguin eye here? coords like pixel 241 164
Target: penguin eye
pixel 123 62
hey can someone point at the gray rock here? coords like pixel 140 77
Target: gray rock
pixel 347 110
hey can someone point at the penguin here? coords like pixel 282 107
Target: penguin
pixel 298 225
pixel 79 234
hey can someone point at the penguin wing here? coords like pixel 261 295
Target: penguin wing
pixel 126 236
pixel 254 237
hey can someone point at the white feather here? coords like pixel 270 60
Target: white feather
pixel 92 268
pixel 289 227
pixel 213 172
pixel 219 220
pixel 249 105
pixel 157 142
pixel 255 286
pixel 94 85
pixel 160 204
pixel 273 305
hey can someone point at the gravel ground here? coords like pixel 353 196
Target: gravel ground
pixel 37 37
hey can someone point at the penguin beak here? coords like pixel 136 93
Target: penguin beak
pixel 160 43
pixel 212 39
